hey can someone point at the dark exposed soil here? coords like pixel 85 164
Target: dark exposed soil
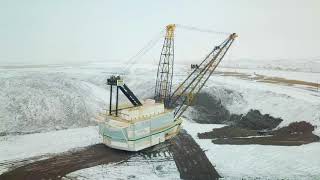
pixel 241 127
pixel 295 134
pixel 211 111
pixel 190 159
pixel 255 120
pixel 227 132
pixel 60 165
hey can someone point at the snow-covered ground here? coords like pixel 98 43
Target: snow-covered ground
pixel 160 167
pixel 258 161
pixel 295 75
pixel 297 65
pixel 40 99
pixel 289 103
pixel 231 161
pixel 32 101
pixel 19 147
pixel 30 145
pixel 46 98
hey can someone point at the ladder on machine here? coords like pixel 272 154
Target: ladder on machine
pixel 118 82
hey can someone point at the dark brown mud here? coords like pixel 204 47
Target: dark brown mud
pixel 190 159
pixel 58 166
pixel 295 134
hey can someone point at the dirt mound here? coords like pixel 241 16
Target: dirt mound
pixel 210 110
pixel 294 134
pixel 227 132
pixel 302 127
pixel 254 120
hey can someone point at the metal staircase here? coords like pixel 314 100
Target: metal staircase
pixel 118 82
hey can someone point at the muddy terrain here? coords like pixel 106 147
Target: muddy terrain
pixel 295 134
pixel 190 159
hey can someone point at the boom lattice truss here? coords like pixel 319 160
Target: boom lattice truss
pixel 183 96
pixel 165 68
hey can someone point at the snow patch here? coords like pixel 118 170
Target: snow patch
pixel 258 161
pixel 30 145
pixel 135 168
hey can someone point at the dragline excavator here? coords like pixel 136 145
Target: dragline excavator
pixel 152 121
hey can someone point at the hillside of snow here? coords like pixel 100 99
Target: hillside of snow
pixel 36 101
pixel 48 98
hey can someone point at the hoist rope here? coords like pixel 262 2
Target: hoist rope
pixel 192 28
pixel 134 59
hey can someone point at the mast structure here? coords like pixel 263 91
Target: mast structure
pixel 165 68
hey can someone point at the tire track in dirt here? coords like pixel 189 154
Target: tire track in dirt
pixel 190 159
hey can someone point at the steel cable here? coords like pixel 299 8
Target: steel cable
pixel 192 28
pixel 134 59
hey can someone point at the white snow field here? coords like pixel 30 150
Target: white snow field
pixel 52 99
pixel 258 161
pixel 19 147
pixel 296 75
pixel 289 65
pixel 292 104
pixel 45 98
pixel 138 168
pixel 30 145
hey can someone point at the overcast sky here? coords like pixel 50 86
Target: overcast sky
pixel 59 31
